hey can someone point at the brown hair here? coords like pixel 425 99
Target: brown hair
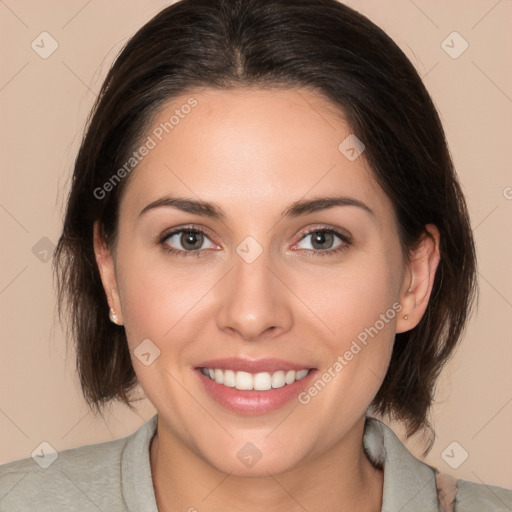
pixel 322 45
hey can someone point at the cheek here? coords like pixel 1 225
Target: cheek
pixel 156 299
pixel 354 298
pixel 160 304
pixel 359 305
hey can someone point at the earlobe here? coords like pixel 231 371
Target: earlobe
pixel 105 262
pixel 419 281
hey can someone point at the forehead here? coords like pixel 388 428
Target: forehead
pixel 249 148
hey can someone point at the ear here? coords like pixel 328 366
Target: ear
pixel 105 262
pixel 419 279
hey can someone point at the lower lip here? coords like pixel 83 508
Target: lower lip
pixel 253 402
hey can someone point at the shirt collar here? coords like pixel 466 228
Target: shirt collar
pixel 409 484
pixel 136 481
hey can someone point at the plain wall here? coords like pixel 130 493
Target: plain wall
pixel 44 104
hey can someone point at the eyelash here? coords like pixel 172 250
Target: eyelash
pixel 310 253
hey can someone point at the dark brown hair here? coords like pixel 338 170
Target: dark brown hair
pixel 321 45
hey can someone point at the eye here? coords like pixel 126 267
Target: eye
pixel 186 240
pixel 324 241
pixel 189 241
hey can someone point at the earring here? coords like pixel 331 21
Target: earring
pixel 406 317
pixel 113 317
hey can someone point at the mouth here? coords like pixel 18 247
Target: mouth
pixel 263 381
pixel 253 387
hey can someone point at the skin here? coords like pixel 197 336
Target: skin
pixel 253 152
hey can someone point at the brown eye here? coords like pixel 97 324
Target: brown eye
pixel 191 240
pixel 323 240
pixel 186 240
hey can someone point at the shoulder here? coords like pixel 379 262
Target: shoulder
pixel 410 484
pixel 457 495
pixel 84 478
pixel 476 497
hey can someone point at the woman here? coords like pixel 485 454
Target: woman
pixel 265 231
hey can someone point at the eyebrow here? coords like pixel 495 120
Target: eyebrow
pixel 296 209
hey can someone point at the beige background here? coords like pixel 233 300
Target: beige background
pixel 44 103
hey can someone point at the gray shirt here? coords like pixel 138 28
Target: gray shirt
pixel 116 476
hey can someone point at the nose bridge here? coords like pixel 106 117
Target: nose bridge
pixel 253 300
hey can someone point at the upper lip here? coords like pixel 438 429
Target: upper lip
pixel 252 365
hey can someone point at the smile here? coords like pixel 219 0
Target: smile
pixel 263 381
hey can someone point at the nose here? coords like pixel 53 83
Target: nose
pixel 254 304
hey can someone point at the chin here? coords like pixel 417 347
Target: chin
pixel 245 463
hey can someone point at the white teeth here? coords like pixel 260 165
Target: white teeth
pixel 301 374
pixel 229 379
pixel 219 376
pixel 262 381
pixel 290 376
pixel 278 379
pixel 243 381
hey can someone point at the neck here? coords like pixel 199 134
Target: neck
pixel 342 479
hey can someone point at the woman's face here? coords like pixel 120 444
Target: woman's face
pixel 252 273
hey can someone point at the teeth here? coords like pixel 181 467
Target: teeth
pixel 262 381
pixel 245 381
pixel 290 376
pixel 301 374
pixel 278 380
pixel 219 376
pixel 229 379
